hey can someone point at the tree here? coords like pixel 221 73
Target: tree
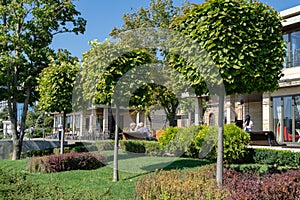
pixel 56 83
pixel 245 42
pixel 27 28
pixel 102 68
pixel 159 15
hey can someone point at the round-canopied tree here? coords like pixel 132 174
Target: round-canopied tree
pixel 243 39
pixel 56 83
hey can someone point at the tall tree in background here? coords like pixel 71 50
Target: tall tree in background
pixel 159 14
pixel 245 42
pixel 56 83
pixel 27 28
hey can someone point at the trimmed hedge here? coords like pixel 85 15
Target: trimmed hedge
pixel 66 162
pixel 139 146
pixel 275 157
pixel 104 145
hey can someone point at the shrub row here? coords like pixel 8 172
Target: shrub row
pixel 139 146
pixel 277 186
pixel 66 162
pixel 105 145
pixel 76 147
pixel 275 157
pixel 177 184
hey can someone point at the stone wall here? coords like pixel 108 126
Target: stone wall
pixel 6 146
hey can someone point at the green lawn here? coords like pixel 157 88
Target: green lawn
pixel 98 184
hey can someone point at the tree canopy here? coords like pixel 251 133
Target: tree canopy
pixel 27 28
pixel 243 39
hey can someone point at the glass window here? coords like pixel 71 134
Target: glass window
pixel 292 49
pixel 295 48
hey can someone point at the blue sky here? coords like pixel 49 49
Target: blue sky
pixel 103 15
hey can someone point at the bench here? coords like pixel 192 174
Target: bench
pixel 135 136
pixel 263 138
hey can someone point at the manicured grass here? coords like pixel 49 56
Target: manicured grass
pixel 98 183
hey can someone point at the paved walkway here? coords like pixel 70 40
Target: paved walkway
pixel 291 148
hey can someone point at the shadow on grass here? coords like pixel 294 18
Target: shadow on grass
pixel 125 155
pixel 178 164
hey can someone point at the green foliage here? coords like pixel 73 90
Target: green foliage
pixel 168 135
pixel 38 119
pixel 183 142
pixel 56 83
pixel 27 28
pixel 66 162
pixel 179 185
pixel 236 141
pixel 276 157
pixel 236 34
pixel 139 146
pixel 284 185
pixel 104 145
pixel 37 153
pixel 13 184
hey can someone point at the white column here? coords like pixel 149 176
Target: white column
pixel 230 109
pixel 267 119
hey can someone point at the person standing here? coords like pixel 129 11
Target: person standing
pixel 248 124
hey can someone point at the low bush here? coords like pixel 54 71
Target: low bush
pixel 277 186
pixel 179 185
pixel 235 143
pixel 166 136
pixel 183 142
pixel 66 162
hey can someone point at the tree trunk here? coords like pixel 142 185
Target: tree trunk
pixel 62 135
pixel 17 149
pixel 220 165
pixel 116 147
pixel 171 118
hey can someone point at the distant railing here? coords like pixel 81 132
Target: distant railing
pixel 293 58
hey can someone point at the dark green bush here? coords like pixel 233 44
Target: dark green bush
pixel 66 162
pixel 67 149
pixel 134 146
pixel 140 146
pixel 179 185
pixel 104 145
pixel 276 157
pixel 36 153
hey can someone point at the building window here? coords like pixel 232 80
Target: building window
pixel 292 49
pixel 286 116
